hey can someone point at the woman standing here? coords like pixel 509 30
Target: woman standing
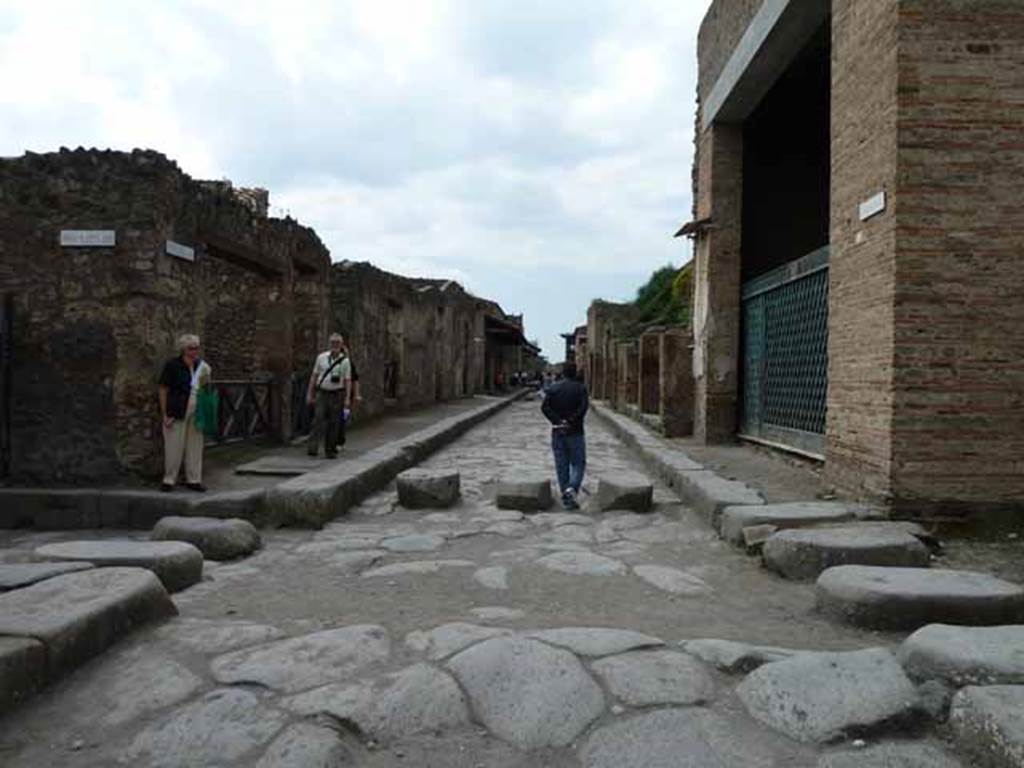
pixel 180 382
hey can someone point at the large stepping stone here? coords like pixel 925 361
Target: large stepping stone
pixel 988 724
pixel 802 554
pixel 648 678
pixel 22 670
pixel 676 738
pixel 797 514
pixel 525 495
pixel 15 575
pixel 79 615
pixel 300 663
pixel 966 655
pixel 528 693
pixel 595 641
pixel 216 538
pixel 427 489
pixel 418 699
pixel 913 754
pixel 818 697
pixel 730 656
pixel 218 729
pixel 908 598
pixel 178 565
pixel 632 493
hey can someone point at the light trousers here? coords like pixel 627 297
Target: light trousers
pixel 184 442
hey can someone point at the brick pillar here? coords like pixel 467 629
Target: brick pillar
pixel 676 383
pixel 650 372
pixel 716 305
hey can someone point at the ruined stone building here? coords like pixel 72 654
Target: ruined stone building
pixel 859 230
pixel 107 257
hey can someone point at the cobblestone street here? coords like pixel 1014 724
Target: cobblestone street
pixel 471 636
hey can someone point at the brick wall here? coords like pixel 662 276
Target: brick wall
pixel 721 30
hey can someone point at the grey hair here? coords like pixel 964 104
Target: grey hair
pixel 187 340
pixel 337 336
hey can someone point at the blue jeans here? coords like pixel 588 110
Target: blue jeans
pixel 570 459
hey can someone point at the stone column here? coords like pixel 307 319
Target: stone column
pixel 716 305
pixel 676 383
pixel 650 372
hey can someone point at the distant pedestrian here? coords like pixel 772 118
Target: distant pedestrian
pixel 180 382
pixel 329 392
pixel 565 406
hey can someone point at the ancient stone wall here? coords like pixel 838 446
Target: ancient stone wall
pixel 720 32
pixel 606 326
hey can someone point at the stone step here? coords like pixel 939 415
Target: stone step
pixel 908 598
pixel 802 554
pixel 428 489
pixel 74 617
pixel 177 564
pixel 15 575
pixel 217 539
pixel 796 514
pixel 988 725
pixel 634 493
pixel 966 655
pixel 532 494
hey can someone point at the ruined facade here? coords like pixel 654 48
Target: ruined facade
pixel 857 204
pixel 106 258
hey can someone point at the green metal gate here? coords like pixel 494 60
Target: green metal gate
pixel 785 354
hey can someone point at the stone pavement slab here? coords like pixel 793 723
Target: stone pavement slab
pixel 216 635
pixel 913 754
pixel 908 598
pixel 582 563
pixel 528 693
pixel 966 655
pixel 648 678
pixel 671 580
pixel 16 575
pixel 595 641
pixel 988 724
pixel 22 670
pixel 307 744
pixel 803 553
pixel 280 466
pixel 790 515
pixel 819 697
pixel 178 565
pixel 730 656
pixel 216 538
pixel 448 639
pixel 79 615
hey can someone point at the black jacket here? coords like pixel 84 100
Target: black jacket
pixel 178 380
pixel 567 402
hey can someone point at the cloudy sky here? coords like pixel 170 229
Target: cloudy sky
pixel 538 151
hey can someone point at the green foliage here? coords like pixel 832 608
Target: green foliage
pixel 665 298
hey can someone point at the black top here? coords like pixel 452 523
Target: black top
pixel 178 380
pixel 567 403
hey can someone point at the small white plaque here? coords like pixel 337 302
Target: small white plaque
pixel 87 238
pixel 180 251
pixel 872 206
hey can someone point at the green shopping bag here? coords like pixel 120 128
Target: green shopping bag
pixel 206 411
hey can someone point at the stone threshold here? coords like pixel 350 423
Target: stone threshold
pixel 700 488
pixel 308 500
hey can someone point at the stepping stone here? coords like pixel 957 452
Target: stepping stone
pixel 528 693
pixel 915 754
pixel 733 657
pixel 418 699
pixel 448 639
pixel 79 615
pixel 422 542
pixel 908 598
pixel 178 565
pixel 307 744
pixel 819 697
pixel 988 725
pixel 802 554
pixel 595 641
pixel 22 670
pixel 676 738
pixel 219 729
pixel 966 655
pixel 494 577
pixel 791 515
pixel 18 575
pixel 633 493
pixel 581 563
pixel 525 495
pixel 427 489
pixel 304 662
pixel 217 539
pixel 671 580
pixel 647 678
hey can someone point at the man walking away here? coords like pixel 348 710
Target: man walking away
pixel 565 406
pixel 330 392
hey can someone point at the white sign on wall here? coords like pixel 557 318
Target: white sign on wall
pixel 872 206
pixel 180 251
pixel 87 238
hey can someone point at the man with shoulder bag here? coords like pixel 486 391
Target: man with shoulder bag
pixel 329 392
